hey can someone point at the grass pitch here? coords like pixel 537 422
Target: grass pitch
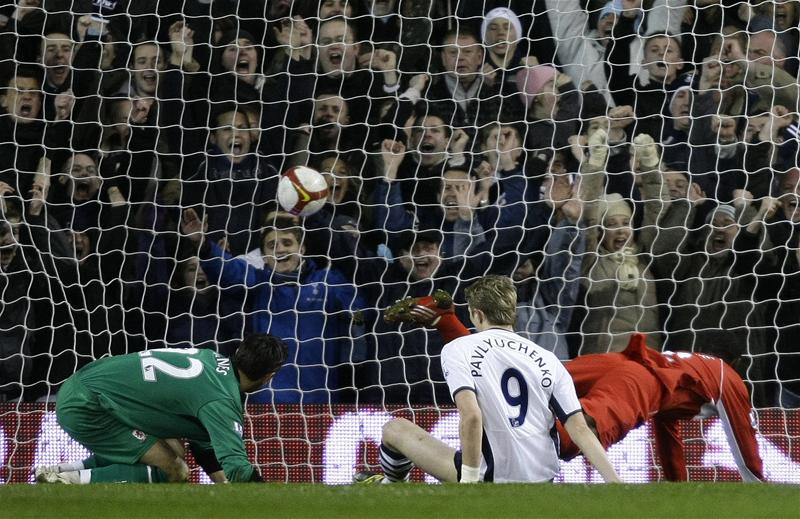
pixel 668 500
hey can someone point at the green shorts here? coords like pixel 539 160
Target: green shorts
pixel 80 414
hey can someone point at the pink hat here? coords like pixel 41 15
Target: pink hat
pixel 531 81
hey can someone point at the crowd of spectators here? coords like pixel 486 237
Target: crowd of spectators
pixel 631 164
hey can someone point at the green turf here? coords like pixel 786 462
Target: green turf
pixel 717 501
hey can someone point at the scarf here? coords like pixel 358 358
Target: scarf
pixel 627 270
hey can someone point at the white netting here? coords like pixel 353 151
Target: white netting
pixel 456 144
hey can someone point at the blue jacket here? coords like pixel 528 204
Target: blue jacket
pixel 311 311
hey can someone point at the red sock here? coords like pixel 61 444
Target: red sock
pixel 451 328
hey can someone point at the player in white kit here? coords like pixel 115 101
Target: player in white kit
pixel 508 391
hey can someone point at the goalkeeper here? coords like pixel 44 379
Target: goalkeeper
pixel 124 409
pixel 620 391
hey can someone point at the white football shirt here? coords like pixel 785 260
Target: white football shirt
pixel 520 388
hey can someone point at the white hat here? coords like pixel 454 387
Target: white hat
pixel 501 12
pixel 613 204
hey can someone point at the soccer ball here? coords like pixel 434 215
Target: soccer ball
pixel 302 191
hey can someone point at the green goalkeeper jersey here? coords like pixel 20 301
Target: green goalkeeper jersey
pixel 176 393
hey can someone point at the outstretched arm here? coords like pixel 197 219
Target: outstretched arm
pixel 670 448
pixel 738 420
pixel 590 446
pixel 218 264
pixel 221 420
pixel 205 457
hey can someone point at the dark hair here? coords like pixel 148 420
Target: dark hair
pixel 282 224
pixel 223 108
pixel 259 355
pixel 138 44
pixel 460 169
pixel 674 37
pixel 432 235
pixel 329 91
pixel 26 70
pixel 57 23
pixel 223 25
pixel 348 24
pixel 421 111
pixel 458 32
pixel 181 266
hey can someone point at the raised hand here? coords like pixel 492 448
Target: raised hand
pixel 555 191
pixel 116 197
pixel 486 174
pixel 295 35
pixel 766 210
pixel 645 151
pixel 598 148
pixel 734 60
pixel 464 200
pixel 192 226
pixel 741 199
pixel 224 245
pixel 631 8
pixel 577 145
pixel 732 50
pixel 489 74
pixel 769 206
pixel 696 194
pixel 710 74
pixel 63 104
pixel 25 7
pixel 381 60
pixel 6 189
pixel 572 209
pixel 778 119
pixel 392 153
pixel 82 27
pixel 40 187
pixel 510 149
pixel 458 141
pixel 419 82
pixel 181 41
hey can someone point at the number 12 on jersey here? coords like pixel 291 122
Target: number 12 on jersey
pixel 152 364
pixel 520 399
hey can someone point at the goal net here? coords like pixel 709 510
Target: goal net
pixel 632 165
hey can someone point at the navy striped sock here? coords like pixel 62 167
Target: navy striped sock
pixel 396 467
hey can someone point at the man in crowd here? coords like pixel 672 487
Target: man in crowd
pixel 294 298
pixel 233 184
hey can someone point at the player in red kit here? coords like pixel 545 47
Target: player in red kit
pixel 620 391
